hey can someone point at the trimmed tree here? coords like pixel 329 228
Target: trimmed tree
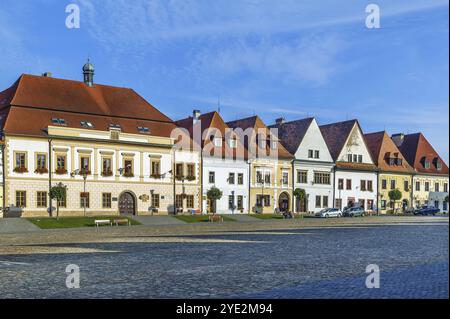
pixel 58 192
pixel 213 195
pixel 300 194
pixel 395 195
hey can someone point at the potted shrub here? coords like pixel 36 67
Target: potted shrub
pixel 213 195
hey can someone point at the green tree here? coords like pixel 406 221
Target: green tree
pixel 395 195
pixel 300 194
pixel 58 192
pixel 213 195
pixel 446 199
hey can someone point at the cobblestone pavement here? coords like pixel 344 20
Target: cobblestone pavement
pixel 314 259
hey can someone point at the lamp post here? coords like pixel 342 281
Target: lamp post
pixel 83 172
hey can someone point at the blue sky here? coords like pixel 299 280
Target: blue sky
pixel 288 58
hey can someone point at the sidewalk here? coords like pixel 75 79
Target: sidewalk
pixel 16 225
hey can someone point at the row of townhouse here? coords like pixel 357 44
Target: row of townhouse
pixel 117 154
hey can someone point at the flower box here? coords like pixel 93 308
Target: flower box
pixel 41 170
pixel 61 171
pixel 20 170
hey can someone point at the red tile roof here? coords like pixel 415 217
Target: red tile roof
pixel 336 134
pixel 416 149
pixel 33 101
pixel 257 124
pixel 208 124
pixel 382 148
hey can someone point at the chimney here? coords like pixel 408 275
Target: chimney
pixel 88 74
pixel 398 139
pixel 279 121
pixel 47 74
pixel 196 116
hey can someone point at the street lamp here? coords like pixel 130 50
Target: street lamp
pixel 84 173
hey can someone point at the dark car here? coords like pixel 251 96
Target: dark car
pixel 354 212
pixel 425 211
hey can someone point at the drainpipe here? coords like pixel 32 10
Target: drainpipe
pixel 3 178
pixel 174 181
pixel 293 187
pixel 334 186
pixel 249 184
pixel 201 181
pixel 50 174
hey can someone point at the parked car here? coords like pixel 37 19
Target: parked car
pixel 425 211
pixel 354 212
pixel 329 212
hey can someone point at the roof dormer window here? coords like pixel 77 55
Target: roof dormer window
pixel 58 121
pixel 232 143
pixel 438 164
pixel 143 130
pixel 115 126
pixel 426 164
pixel 86 124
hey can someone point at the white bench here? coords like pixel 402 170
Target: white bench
pixel 99 222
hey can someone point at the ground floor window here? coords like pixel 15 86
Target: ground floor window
pixel 155 200
pixel 84 200
pixel 318 201
pixel 445 206
pixel 21 199
pixel 190 201
pixel 263 200
pixel 362 203
pixel 179 201
pixel 41 199
pixel 106 200
pixel 231 202
pixel 383 204
pixel 338 203
pixel 325 201
pixel 240 202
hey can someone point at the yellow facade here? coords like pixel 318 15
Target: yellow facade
pixel 277 193
pixel 388 181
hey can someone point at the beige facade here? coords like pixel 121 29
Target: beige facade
pixel 151 192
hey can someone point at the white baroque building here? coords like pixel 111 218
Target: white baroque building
pixel 224 162
pixel 313 164
pixel 355 177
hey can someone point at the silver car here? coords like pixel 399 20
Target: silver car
pixel 329 212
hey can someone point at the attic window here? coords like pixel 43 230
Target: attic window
pixel 426 163
pixel 143 130
pixel 115 126
pixel 438 164
pixel 58 121
pixel 86 124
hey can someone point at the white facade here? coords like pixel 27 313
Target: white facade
pixel 354 193
pixel 313 159
pixel 437 199
pixel 354 185
pixel 231 177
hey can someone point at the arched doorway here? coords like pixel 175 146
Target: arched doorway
pixel 127 203
pixel 283 202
